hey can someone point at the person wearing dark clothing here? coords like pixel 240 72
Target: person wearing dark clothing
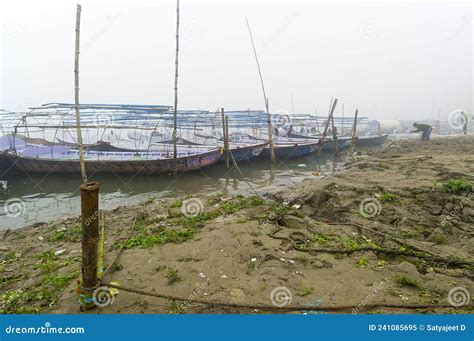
pixel 425 129
pixel 465 120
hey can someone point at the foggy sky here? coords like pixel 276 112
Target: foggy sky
pixel 390 60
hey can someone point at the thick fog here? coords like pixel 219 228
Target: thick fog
pixel 390 60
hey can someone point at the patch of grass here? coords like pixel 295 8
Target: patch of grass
pixel 60 282
pixel 388 197
pixel 349 243
pixel 172 276
pixel 195 221
pixel 10 255
pixel 71 234
pixel 362 262
pixel 49 262
pixel 147 240
pixel 176 204
pixel 407 281
pixel 321 239
pixel 18 302
pixel 304 290
pixel 457 186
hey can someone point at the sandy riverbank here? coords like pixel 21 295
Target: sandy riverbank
pixel 393 229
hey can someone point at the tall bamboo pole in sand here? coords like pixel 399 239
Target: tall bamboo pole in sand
pixel 76 94
pixel 269 119
pixel 175 114
pixel 89 201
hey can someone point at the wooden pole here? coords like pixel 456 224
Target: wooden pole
pixel 175 114
pixel 270 132
pixel 342 123
pixel 269 119
pixel 76 95
pixel 354 131
pixel 334 137
pixel 331 112
pixel 90 242
pixel 224 137
pixel 227 151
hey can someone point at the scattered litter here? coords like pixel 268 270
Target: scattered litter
pixel 40 238
pixel 62 229
pixel 404 298
pixel 202 275
pixel 60 252
pixel 291 261
pixel 221 250
pixel 296 206
pixel 302 165
pixel 223 276
pixel 253 259
pixel 114 291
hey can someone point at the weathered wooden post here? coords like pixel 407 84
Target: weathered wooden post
pixel 90 242
pixel 354 131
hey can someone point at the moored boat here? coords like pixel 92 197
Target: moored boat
pixel 114 162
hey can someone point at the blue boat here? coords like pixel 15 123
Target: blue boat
pixel 292 151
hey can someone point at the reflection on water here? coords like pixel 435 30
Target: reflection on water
pixel 27 200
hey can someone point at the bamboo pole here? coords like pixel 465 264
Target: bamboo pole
pixel 89 200
pixel 334 137
pixel 354 131
pixel 76 95
pixel 342 123
pixel 175 114
pixel 331 112
pixel 227 151
pixel 224 137
pixel 269 119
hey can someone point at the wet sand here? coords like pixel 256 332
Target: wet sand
pixel 387 234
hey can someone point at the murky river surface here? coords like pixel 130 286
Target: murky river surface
pixel 27 200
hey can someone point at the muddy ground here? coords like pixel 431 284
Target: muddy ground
pixel 390 233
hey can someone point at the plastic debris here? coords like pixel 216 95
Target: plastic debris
pixel 202 275
pixel 60 252
pixel 302 165
pixel 253 259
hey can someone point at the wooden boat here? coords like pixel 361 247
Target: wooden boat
pixel 114 162
pixel 292 150
pixel 371 140
pixel 244 152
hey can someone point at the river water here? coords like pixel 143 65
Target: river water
pixel 26 200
